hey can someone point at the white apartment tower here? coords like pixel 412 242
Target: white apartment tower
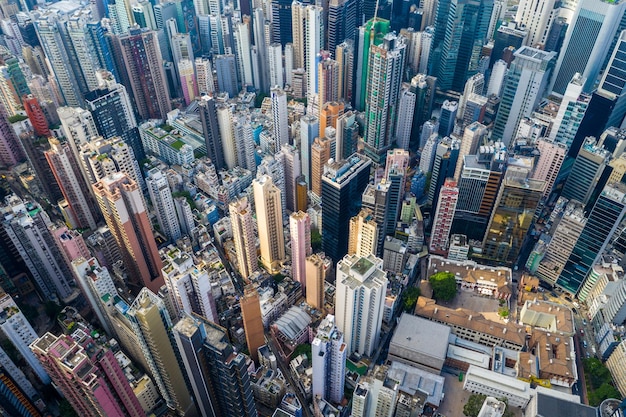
pixel 163 203
pixel 280 116
pixel 300 230
pixel 329 361
pixel 360 301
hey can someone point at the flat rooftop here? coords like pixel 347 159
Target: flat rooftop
pixel 421 335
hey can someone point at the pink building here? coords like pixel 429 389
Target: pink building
pixel 549 163
pixel 444 215
pixel 188 80
pixel 300 228
pixel 71 243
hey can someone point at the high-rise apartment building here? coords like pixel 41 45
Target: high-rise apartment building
pixel 320 154
pixel 252 321
pixel 587 173
pixel 103 157
pixel 526 83
pixel 217 374
pixel 344 55
pixel 79 128
pixel 551 157
pixel 210 130
pixel 404 121
pixel 343 183
pixel 163 203
pixel 300 231
pixel 124 211
pixel 151 323
pixel 442 222
pixel 309 130
pixel 537 17
pixel 342 22
pixel 587 41
pixel 347 135
pixel 142 59
pixel 36 115
pixel 267 201
pixel 360 300
pixel 67 172
pixel 11 151
pixel 329 354
pixel 512 215
pixel 315 276
pixel 571 112
pixel 376 198
pixel 280 116
pixel 460 33
pixel 369 34
pixel 363 239
pixel 602 223
pixel 243 236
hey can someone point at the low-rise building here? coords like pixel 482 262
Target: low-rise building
pixel 492 407
pixel 549 316
pixel 483 381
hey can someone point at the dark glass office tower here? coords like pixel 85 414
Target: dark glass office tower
pixel 598 231
pixel 210 130
pixel 281 22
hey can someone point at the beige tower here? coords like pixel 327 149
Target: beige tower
pixel 243 235
pixel 252 321
pixel 315 275
pixel 363 234
pixel 269 215
pixel 320 154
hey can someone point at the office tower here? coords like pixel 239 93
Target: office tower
pixel 496 80
pixel 602 223
pixel 243 236
pixel 526 82
pixel 315 277
pixel 142 58
pixel 217 374
pixel 344 55
pixel 473 137
pixel 68 175
pixel 444 165
pixel 55 42
pixel 342 184
pixel 276 65
pixel 210 130
pixel 424 88
pixel 442 222
pixel 281 21
pixel 26 224
pixel 377 199
pixel 21 334
pixel 551 157
pixel 342 22
pixel 259 52
pixel 587 173
pixel 447 117
pixel 587 43
pixel 360 300
pixel 512 215
pixel 252 321
pixel 11 151
pixel 537 16
pixel 122 205
pixel 188 80
pixel 363 238
pixel 328 80
pixel 613 82
pixel 143 14
pixel 280 116
pixel 163 203
pixel 371 33
pixel 507 37
pixel 347 135
pixel 76 376
pixel 267 201
pixel 36 115
pixel 460 33
pixel 329 354
pixel 384 79
pixel 563 240
pixel 404 122
pixel 320 154
pixel 151 323
pixel 571 112
pixel 226 69
pixel 474 85
pixel 300 230
pixel 309 131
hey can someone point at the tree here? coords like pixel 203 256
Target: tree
pixel 316 240
pixel 409 298
pixel 503 312
pixel 603 392
pixel 303 348
pixel 52 309
pixel 473 405
pixel 444 285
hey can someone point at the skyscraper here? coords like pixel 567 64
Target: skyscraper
pixel 36 115
pixel 277 78
pixel 267 201
pixel 369 34
pixel 320 154
pixel 343 183
pixel 210 130
pixel 243 236
pixel 406 107
pixel 377 198
pixel 142 58
pixel 280 116
pixel 587 173
pixel 309 130
pixel 571 112
pixel 315 277
pixel 363 239
pixel 281 21
pixel 526 82
pixel 67 172
pixel 163 204
pixel 218 375
pixel 384 79
pixel 342 22
pixel 587 42
pixel 300 230
pixel 442 222
pixel 460 33
pixel 537 16
pixel 512 215
pixel 550 160
pixel 252 321
pixel 329 354
pixel 11 151
pixel 151 323
pixel 602 223
pixel 360 300
pixel 122 205
pixel 613 82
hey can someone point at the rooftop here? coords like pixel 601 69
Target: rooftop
pixel 420 335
